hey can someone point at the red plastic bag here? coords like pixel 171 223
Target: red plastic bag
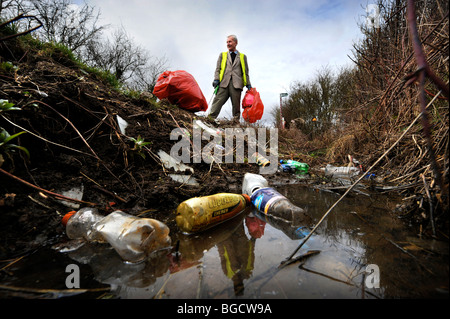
pixel 180 88
pixel 253 106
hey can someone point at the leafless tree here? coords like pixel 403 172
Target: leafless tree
pixel 66 23
pixel 76 26
pixel 127 61
pixel 144 79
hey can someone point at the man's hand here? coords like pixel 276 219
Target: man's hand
pixel 248 87
pixel 215 83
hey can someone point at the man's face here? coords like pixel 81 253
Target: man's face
pixel 231 44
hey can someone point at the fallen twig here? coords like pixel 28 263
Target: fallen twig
pixel 44 190
pixel 309 253
pixel 433 229
pixel 395 244
pixel 44 139
pixel 424 70
pixel 335 279
pixel 85 142
pixel 19 17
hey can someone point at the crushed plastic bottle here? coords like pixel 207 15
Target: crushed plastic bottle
pixel 132 237
pixel 342 171
pixel 294 166
pixel 271 202
pixel 200 213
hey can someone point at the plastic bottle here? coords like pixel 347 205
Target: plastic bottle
pixel 132 237
pixel 271 202
pixel 200 213
pixel 260 160
pixel 210 130
pixel 295 166
pixel 252 182
pixel 331 170
pixel 286 168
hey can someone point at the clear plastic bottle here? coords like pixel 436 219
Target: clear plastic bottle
pixel 80 224
pixel 331 170
pixel 132 237
pixel 200 213
pixel 210 130
pixel 271 202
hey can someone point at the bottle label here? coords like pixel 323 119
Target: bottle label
pixel 263 198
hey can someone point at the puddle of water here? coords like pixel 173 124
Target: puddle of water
pixel 240 259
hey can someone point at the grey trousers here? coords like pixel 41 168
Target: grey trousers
pixel 222 96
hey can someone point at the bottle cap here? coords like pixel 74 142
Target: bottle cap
pixel 247 198
pixel 67 217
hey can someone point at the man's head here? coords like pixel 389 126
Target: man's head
pixel 232 42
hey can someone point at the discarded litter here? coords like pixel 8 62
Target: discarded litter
pixel 133 238
pixel 170 162
pixel 122 124
pixel 210 130
pixel 200 213
pixel 75 193
pixel 260 160
pixel 271 202
pixel 334 171
pixel 294 166
pixel 184 179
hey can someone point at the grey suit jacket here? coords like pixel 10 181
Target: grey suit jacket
pixel 233 72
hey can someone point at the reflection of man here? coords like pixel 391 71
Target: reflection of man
pixel 237 255
pixel 231 76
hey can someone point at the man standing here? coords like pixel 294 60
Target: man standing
pixel 231 76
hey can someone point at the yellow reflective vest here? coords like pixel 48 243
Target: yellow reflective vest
pixel 224 63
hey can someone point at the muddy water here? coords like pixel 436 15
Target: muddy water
pixel 240 259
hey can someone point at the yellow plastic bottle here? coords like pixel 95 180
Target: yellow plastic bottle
pixel 200 213
pixel 260 160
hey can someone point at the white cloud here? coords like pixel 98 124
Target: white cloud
pixel 285 41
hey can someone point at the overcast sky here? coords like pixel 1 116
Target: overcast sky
pixel 285 41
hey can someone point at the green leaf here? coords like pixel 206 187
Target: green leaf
pixel 6 106
pixel 19 148
pixel 9 138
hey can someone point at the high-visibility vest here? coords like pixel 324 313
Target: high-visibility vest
pixel 224 63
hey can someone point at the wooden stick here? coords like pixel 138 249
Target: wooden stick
pixel 431 204
pixel 44 190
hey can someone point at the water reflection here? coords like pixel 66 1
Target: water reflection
pixel 240 258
